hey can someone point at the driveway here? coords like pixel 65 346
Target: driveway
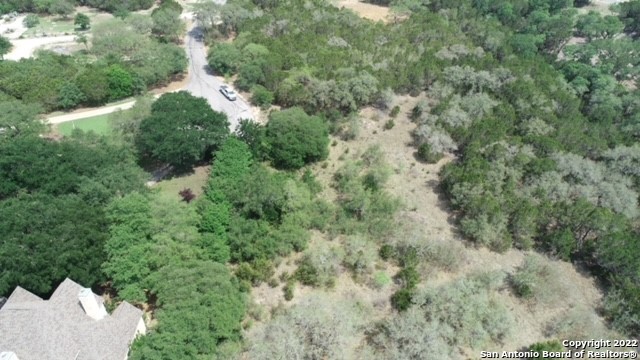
pixel 203 83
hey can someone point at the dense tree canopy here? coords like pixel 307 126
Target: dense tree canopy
pixel 48 238
pixel 296 139
pixel 181 130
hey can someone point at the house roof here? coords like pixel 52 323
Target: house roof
pixel 60 329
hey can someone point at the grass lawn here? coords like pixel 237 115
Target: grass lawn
pixel 98 124
pixel 195 181
pixel 56 25
pixel 51 26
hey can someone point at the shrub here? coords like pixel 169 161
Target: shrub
pixel 389 124
pixel 401 299
pixel 468 311
pixel 425 154
pixel 536 279
pixel 381 280
pixel 320 266
pixel 359 255
pixel 288 290
pixel 187 195
pixel 549 346
pixel 224 59
pixel 408 277
pixel 260 96
pixel 387 252
pixel 394 112
pixel 31 20
pixel 256 272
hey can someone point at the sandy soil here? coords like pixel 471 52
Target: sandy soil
pixel 16 25
pixel 365 10
pixel 24 48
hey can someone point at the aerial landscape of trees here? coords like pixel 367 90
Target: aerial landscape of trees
pixel 529 108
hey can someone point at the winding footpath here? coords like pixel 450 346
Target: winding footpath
pixel 201 82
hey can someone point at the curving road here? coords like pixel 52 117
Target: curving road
pixel 204 84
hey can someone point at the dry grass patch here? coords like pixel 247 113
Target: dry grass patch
pixel 365 10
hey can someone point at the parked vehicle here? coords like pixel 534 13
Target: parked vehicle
pixel 228 92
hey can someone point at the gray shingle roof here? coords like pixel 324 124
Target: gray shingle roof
pixel 59 329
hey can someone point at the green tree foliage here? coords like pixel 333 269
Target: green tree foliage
pixel 120 5
pixel 629 13
pixel 70 96
pixel 18 119
pixel 296 139
pixel 49 238
pixel 365 207
pixel 127 62
pixel 121 83
pixel 129 246
pixel 262 97
pixel 82 21
pixel 81 163
pixel 224 59
pixel 595 26
pixel 181 130
pixel 167 25
pixel 200 308
pixel 5 46
pixel 231 165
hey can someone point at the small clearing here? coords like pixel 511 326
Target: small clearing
pixel 171 186
pixel 365 10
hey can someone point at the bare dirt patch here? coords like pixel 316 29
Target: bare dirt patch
pixel 365 10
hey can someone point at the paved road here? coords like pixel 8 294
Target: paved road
pixel 201 83
pixel 204 84
pixel 82 114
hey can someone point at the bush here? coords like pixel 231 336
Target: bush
pixel 256 272
pixel 389 124
pixel 288 290
pixel 549 346
pixel 260 96
pixel 394 112
pixel 401 299
pixel 425 154
pixel 387 252
pixel 408 277
pixel 320 266
pixel 31 20
pixel 360 255
pixel 539 279
pixel 468 310
pixel 381 280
